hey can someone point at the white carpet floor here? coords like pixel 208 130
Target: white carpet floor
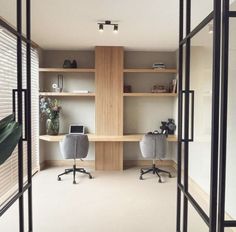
pixel 111 202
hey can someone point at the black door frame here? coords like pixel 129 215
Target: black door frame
pixel 183 137
pixel 22 187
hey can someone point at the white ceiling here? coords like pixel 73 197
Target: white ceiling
pixel 143 24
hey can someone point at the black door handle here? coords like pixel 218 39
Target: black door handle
pixel 191 93
pixel 14 91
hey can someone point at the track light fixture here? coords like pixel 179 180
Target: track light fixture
pixel 115 28
pixel 108 23
pixel 100 27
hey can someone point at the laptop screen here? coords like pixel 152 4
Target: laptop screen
pixel 76 129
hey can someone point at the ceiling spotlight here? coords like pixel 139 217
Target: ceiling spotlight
pixel 115 28
pixel 107 23
pixel 100 27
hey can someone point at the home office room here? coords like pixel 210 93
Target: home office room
pixel 117 116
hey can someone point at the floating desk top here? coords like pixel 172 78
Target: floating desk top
pixel 105 138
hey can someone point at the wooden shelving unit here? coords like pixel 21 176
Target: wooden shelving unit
pixel 65 94
pixel 150 94
pixel 150 70
pixel 67 70
pixel 109 79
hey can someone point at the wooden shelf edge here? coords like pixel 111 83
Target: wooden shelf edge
pixel 105 138
pixel 68 70
pixel 150 70
pixel 150 94
pixel 64 94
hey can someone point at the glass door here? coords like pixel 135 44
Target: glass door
pixel 199 82
pixel 16 97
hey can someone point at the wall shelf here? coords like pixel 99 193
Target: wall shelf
pixel 67 70
pixel 105 138
pixel 150 94
pixel 150 70
pixel 64 94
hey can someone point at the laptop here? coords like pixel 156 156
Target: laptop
pixel 76 129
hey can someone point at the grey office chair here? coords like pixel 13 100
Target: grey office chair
pixel 153 146
pixel 74 147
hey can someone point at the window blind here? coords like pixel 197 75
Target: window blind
pixel 8 81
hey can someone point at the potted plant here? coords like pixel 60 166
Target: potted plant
pixel 50 108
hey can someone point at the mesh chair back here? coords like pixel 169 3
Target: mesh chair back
pixel 153 146
pixel 74 146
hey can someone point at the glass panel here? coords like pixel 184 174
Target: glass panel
pixel 181 212
pixel 10 220
pixel 200 9
pixel 183 118
pixel 8 82
pixel 195 222
pixel 230 229
pixel 24 17
pixel 184 18
pixel 232 5
pixel 200 148
pixel 8 11
pixel 230 203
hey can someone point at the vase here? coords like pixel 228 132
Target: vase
pixel 52 126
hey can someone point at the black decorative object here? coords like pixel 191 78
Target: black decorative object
pixel 127 89
pixel 164 127
pixel 70 64
pixel 171 126
pixel 67 64
pixel 74 64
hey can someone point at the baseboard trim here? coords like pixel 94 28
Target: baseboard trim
pixel 91 163
pixel 64 163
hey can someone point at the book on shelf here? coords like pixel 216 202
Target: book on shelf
pixel 80 91
pixel 173 86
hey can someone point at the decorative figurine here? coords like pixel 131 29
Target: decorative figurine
pixel 159 89
pixel 171 126
pixel 164 127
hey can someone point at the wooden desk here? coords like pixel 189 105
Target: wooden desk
pixel 105 138
pixel 109 140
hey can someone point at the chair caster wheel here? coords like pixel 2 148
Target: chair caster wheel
pixel 74 182
pixel 90 177
pixel 141 178
pixel 59 178
pixel 160 181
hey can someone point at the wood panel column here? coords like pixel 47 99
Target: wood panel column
pixel 109 62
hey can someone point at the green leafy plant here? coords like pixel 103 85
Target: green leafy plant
pixel 49 108
pixel 10 134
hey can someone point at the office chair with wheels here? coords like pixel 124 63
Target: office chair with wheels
pixel 74 146
pixel 153 147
